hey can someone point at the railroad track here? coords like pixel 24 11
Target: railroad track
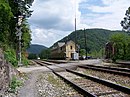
pixel 45 62
pixel 111 68
pixel 111 75
pixel 57 61
pixel 123 64
pixel 91 86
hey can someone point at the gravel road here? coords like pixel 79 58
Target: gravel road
pixel 29 90
pixel 46 84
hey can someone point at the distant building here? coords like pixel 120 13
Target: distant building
pixel 109 50
pixel 64 50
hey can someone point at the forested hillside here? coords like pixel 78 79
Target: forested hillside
pixel 95 38
pixel 35 49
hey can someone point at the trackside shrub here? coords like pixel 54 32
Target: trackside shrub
pixel 10 57
pixel 15 83
pixel 25 61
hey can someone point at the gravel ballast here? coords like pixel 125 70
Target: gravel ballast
pixel 49 85
pixel 118 79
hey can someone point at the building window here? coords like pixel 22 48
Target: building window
pixel 71 47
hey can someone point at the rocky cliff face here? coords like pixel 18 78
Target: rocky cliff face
pixel 6 74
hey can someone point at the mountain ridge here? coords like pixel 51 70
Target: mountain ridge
pixel 36 48
pixel 96 38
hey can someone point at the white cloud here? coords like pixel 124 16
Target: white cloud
pixel 108 16
pixel 112 6
pixel 55 16
pixel 54 19
pixel 46 37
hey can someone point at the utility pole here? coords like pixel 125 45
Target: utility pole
pixel 18 28
pixel 76 43
pixel 85 38
pixel 75 36
pixel 75 28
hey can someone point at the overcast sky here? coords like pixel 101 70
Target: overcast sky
pixel 54 19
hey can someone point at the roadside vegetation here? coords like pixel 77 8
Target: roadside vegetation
pixel 10 56
pixel 15 84
pixel 9 12
pixel 121 41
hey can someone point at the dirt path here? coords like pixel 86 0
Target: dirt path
pixel 29 90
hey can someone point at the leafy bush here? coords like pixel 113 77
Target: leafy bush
pixel 25 61
pixel 82 52
pixel 15 83
pixel 121 46
pixel 10 56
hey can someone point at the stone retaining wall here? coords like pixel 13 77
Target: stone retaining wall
pixel 6 74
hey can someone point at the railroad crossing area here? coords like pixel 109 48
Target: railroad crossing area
pixel 71 64
pixel 87 78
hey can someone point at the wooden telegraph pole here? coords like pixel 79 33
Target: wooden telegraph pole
pixel 85 41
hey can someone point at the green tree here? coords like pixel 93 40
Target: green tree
pixel 120 43
pixel 128 51
pixel 5 17
pixel 9 11
pixel 26 36
pixel 32 56
pixel 45 54
pixel 82 52
pixel 24 10
pixel 125 23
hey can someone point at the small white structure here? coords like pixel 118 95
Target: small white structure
pixel 75 56
pixel 38 58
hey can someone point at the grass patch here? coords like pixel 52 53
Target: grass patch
pixel 15 83
pixel 53 81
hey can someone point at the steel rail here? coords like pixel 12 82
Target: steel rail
pixel 48 63
pixel 113 68
pixel 104 82
pixel 56 61
pixel 44 65
pixel 107 70
pixel 76 87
